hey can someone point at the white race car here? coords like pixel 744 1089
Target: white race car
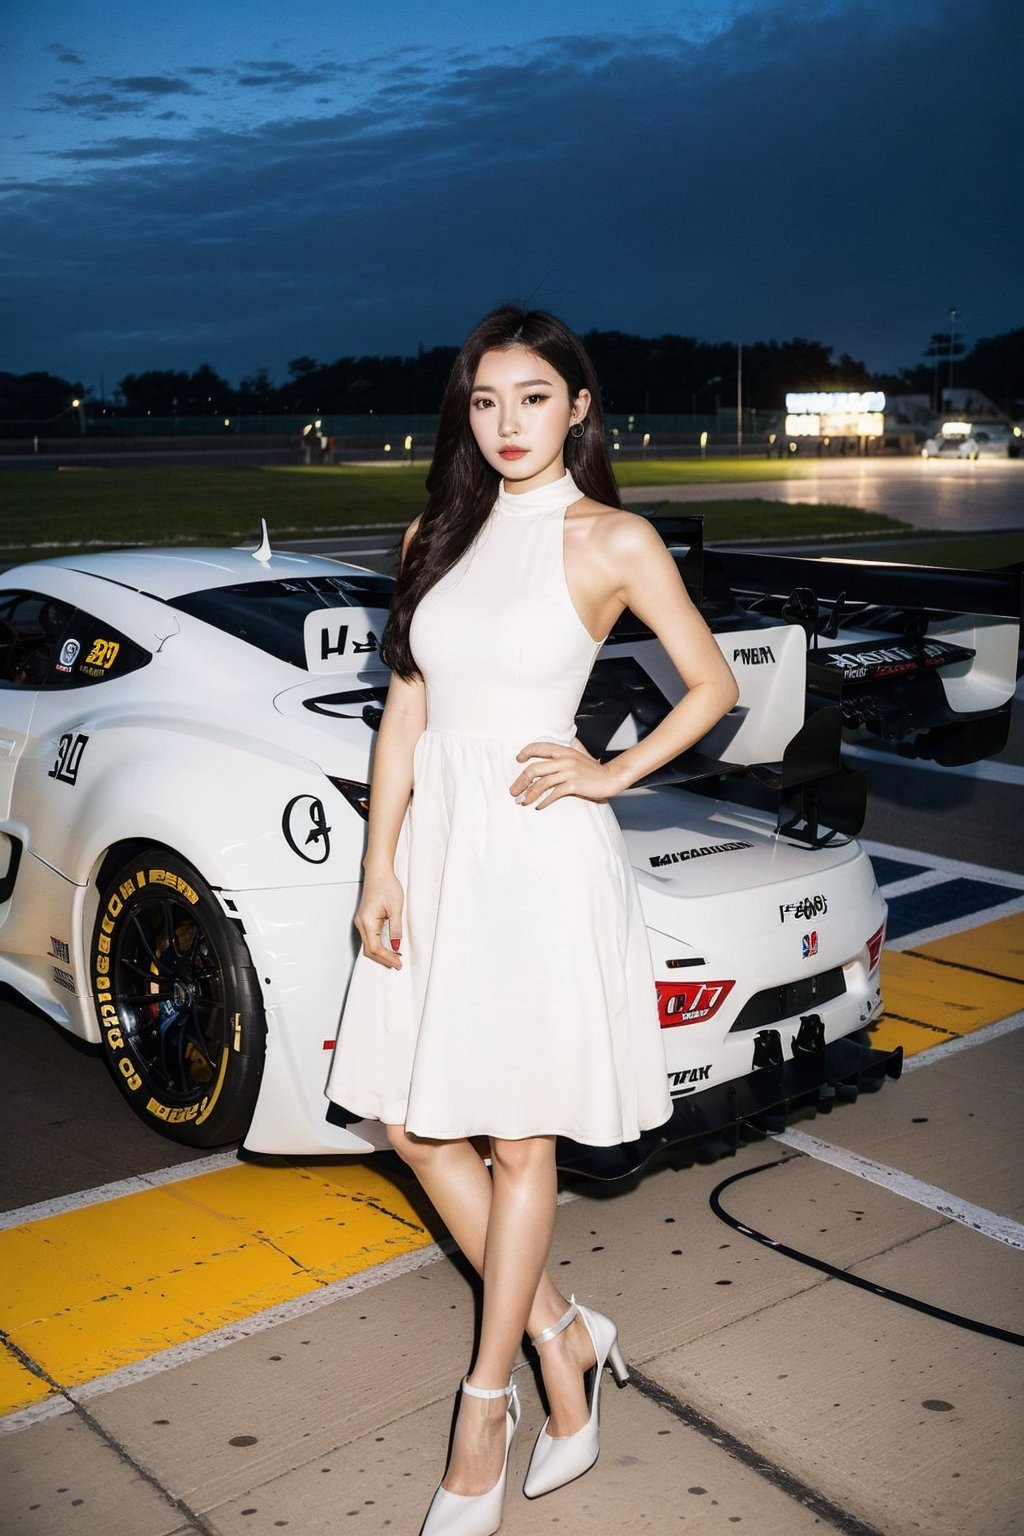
pixel 185 738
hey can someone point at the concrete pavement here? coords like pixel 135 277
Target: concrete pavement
pixel 769 1398
pixel 767 1395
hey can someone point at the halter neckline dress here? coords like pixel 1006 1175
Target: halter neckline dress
pixel 525 1005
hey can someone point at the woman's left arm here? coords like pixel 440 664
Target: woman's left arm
pixel 647 582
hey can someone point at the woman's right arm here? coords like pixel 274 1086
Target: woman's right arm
pixel 382 901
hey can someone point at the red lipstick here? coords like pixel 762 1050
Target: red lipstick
pixel 511 452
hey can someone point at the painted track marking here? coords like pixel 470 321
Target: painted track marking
pixel 988 1223
pixel 177 1173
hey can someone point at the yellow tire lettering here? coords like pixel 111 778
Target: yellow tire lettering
pixel 129 1073
pixel 180 1116
pixel 109 1017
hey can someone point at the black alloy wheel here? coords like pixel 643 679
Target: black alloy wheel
pixel 178 1002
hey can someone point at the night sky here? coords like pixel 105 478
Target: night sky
pixel 245 183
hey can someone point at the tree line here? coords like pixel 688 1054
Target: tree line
pixel 663 375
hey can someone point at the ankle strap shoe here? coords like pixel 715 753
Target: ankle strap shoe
pixel 558 1460
pixel 475 1514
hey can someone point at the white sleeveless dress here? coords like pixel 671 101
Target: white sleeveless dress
pixel 526 1002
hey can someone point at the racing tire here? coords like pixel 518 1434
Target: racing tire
pixel 178 1002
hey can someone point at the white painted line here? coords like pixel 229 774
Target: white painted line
pixel 923 882
pixel 938 870
pixel 24 1418
pixel 952 867
pixel 936 1053
pixel 103 1192
pixel 996 773
pixel 988 1223
pixel 259 1322
pixel 231 1333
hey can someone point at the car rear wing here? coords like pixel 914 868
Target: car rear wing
pixel 923 656
pixel 764 750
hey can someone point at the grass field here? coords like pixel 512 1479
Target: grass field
pixel 709 471
pixel 44 511
pixel 97 508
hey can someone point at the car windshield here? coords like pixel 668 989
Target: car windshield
pixel 271 614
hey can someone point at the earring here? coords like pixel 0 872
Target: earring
pixel 577 430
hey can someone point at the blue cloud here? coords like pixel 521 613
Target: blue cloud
pixel 783 176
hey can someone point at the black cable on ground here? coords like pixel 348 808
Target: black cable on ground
pixel 887 1294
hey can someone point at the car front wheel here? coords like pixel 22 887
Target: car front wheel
pixel 178 1002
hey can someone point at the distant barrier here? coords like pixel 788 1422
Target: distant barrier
pixel 355 439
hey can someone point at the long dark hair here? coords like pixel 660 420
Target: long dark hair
pixel 462 486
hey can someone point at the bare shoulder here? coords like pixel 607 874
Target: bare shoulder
pixel 622 535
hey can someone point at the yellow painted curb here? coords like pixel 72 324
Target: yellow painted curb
pixel 945 989
pixel 19 1388
pixel 92 1290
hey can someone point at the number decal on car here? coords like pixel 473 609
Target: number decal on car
pixel 69 758
pixel 103 653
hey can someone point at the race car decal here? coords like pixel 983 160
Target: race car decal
pixel 657 860
pixel 68 655
pixel 753 655
pixel 687 1081
pixel 102 654
pixel 865 663
pixel 64 979
pixel 809 906
pixel 809 944
pixel 340 641
pixel 305 829
pixel 60 949
pixel 690 1002
pixel 330 640
pixel 69 758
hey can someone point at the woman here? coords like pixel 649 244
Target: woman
pixel 505 987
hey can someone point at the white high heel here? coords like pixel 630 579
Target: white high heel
pixel 475 1514
pixel 557 1460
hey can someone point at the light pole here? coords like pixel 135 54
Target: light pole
pixel 739 399
pixel 952 349
pixel 79 406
